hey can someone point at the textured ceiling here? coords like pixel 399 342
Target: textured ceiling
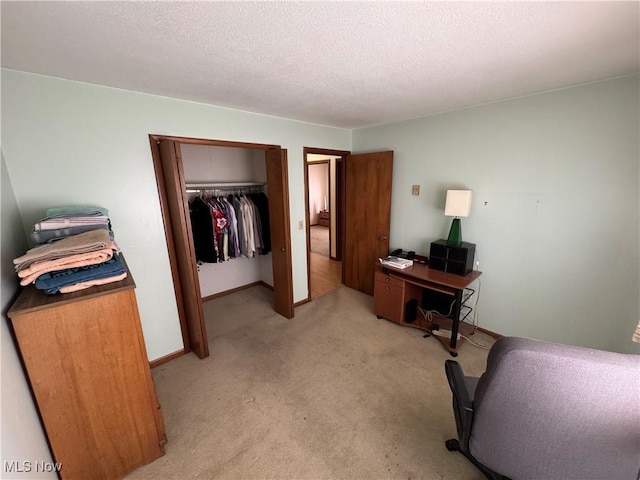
pixel 346 64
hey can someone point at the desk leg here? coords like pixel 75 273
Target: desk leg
pixel 456 322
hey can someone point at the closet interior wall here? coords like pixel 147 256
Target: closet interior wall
pixel 207 164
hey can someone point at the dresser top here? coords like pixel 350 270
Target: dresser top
pixel 30 299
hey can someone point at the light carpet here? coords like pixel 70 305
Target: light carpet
pixel 334 393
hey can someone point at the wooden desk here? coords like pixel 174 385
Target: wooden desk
pixel 398 293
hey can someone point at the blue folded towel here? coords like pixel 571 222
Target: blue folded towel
pixel 52 282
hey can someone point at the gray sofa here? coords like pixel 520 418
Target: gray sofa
pixel 546 411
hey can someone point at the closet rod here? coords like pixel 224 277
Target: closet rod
pixel 224 185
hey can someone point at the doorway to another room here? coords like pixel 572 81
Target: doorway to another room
pixel 324 194
pixel 319 213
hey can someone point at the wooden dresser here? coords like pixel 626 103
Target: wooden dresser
pixel 324 218
pixel 86 361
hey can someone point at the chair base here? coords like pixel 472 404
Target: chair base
pixel 453 445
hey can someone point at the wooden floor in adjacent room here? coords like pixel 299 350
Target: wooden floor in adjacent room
pixel 326 275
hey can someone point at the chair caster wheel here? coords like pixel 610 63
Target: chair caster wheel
pixel 452 445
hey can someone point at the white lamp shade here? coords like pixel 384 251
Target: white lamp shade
pixel 458 203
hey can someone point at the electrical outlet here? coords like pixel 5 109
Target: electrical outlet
pixel 300 224
pixel 415 190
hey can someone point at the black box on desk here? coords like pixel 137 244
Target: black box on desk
pixel 447 258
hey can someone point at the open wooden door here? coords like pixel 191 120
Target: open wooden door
pixel 367 216
pixel 178 207
pixel 278 185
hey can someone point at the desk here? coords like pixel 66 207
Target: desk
pixel 398 293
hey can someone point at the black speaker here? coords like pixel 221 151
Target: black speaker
pixel 457 260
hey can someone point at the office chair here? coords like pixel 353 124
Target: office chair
pixel 546 411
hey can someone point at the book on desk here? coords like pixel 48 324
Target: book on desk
pixel 396 262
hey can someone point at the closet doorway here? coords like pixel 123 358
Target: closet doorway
pixel 324 214
pixel 172 191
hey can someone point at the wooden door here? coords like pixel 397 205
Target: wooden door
pixel 178 206
pixel 339 208
pixel 367 216
pixel 278 186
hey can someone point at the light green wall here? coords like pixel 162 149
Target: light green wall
pixel 557 239
pixel 556 206
pixel 68 142
pixel 22 436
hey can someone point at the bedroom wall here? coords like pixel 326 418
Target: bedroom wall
pixel 68 142
pixel 22 437
pixel 555 212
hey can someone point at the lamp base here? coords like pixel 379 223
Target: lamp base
pixel 455 233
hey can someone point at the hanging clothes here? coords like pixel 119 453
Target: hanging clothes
pixel 202 229
pixel 234 247
pixel 227 228
pixel 261 201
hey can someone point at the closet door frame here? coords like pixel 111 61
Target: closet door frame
pixel 172 231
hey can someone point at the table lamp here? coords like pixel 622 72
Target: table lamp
pixel 458 205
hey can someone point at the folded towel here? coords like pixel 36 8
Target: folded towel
pixel 75 210
pixel 31 273
pixel 92 283
pixel 65 222
pixel 50 236
pixel 91 241
pixel 52 282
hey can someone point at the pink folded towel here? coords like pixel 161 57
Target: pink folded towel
pixel 91 283
pixel 31 273
pixel 90 241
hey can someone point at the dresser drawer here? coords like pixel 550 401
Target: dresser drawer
pixel 388 279
pixel 387 301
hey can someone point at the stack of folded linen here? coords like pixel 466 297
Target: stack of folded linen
pixel 73 263
pixel 62 222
